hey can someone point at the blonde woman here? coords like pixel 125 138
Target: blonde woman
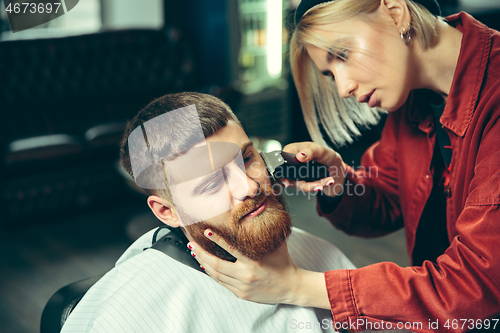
pixel 435 170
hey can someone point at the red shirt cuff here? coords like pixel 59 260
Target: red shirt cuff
pixel 342 303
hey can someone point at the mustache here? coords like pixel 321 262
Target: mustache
pixel 250 204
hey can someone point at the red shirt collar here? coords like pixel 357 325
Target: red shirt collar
pixel 468 77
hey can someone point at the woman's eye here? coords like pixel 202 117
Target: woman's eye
pixel 343 55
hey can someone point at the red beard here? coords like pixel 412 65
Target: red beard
pixel 259 237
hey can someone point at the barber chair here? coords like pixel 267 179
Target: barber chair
pixel 61 304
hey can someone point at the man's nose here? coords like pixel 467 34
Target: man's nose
pixel 241 184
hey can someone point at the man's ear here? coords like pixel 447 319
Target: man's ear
pixel 398 11
pixel 164 210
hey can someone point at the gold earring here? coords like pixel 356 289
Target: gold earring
pixel 406 35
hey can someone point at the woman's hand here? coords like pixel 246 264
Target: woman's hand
pixel 263 281
pixel 307 151
pixel 273 279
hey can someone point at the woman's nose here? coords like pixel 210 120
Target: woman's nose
pixel 345 86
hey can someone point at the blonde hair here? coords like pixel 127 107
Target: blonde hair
pixel 321 103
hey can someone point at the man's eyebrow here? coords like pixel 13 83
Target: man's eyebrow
pixel 245 146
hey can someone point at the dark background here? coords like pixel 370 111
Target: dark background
pixel 66 210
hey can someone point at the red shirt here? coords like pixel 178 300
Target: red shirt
pixel 464 282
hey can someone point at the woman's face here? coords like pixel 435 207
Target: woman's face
pixel 373 64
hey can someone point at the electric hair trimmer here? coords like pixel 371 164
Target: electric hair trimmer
pixel 285 165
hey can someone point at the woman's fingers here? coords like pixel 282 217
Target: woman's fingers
pixel 222 243
pixel 307 151
pixel 320 154
pixel 214 266
pixel 233 276
pixel 225 280
pixel 295 147
pixel 315 186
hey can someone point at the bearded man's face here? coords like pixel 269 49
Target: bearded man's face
pixel 236 201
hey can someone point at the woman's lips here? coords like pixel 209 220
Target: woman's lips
pixel 372 102
pixel 259 209
pixel 365 98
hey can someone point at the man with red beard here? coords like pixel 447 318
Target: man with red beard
pixel 189 152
